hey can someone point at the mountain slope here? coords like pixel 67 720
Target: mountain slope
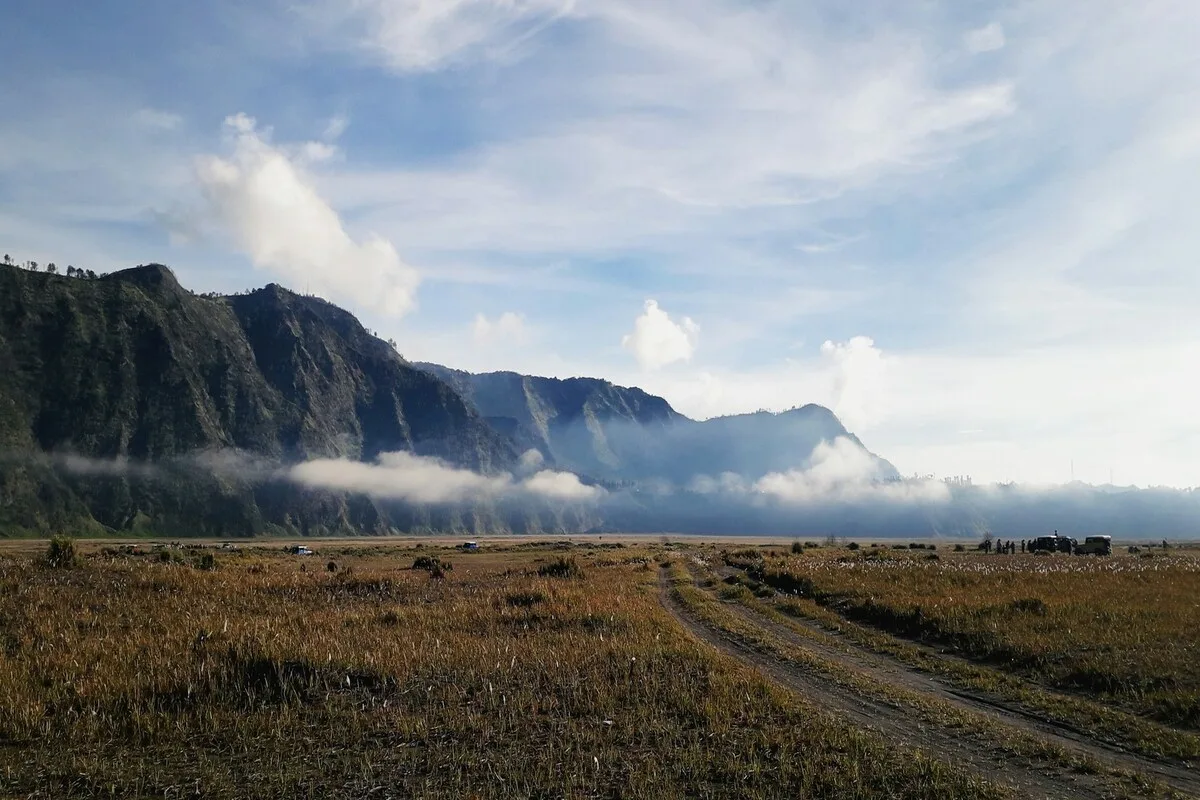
pixel 131 365
pixel 591 426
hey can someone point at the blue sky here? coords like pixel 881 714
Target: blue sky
pixel 968 228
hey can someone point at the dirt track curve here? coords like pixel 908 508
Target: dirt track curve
pixel 1029 778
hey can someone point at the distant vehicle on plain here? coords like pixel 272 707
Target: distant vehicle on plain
pixel 1096 546
pixel 1052 544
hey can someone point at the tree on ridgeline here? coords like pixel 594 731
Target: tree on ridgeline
pixel 7 260
pixel 52 268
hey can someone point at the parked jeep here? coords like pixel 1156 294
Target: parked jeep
pixel 1052 544
pixel 1095 546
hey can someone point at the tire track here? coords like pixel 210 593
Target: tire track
pixel 955 745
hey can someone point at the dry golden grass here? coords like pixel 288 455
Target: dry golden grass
pixel 1121 629
pixel 274 676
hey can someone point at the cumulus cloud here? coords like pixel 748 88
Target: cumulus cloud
pixel 838 472
pixel 657 340
pixel 418 479
pixel 842 471
pixel 263 198
pixel 858 380
pixel 508 328
pixel 531 461
pixel 982 40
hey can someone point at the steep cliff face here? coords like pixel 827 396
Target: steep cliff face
pixel 626 435
pixel 586 425
pixel 133 366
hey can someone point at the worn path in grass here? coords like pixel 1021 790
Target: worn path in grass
pixel 1030 778
pixel 880 666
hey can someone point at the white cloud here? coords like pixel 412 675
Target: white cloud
pixel 841 471
pixel 156 119
pixel 560 486
pixel 838 472
pixel 271 208
pixel 417 479
pixel 657 340
pixel 986 39
pixel 858 380
pixel 315 152
pixel 531 461
pixel 417 35
pixel 720 123
pixel 507 329
pixel 335 127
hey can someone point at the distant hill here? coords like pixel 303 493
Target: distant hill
pixel 594 427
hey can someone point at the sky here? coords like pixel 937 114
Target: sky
pixel 968 228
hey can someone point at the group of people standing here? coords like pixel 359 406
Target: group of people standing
pixel 1002 547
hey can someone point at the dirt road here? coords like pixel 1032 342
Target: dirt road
pixel 1029 777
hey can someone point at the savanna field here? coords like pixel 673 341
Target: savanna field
pixel 523 670
pixel 1124 628
pixel 257 674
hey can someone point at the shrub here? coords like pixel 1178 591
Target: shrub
pixel 207 562
pixel 61 553
pixel 797 548
pixel 852 546
pixel 561 568
pixel 958 548
pixel 432 564
pixel 525 599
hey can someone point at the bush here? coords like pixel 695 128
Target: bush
pixel 561 568
pixel 433 565
pixel 525 599
pixel 958 548
pixel 797 548
pixel 61 553
pixel 206 562
pixel 852 546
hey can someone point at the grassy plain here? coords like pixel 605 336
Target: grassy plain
pixel 1123 629
pixel 507 674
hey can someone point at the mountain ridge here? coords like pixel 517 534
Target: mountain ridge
pixel 134 371
pixel 626 433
